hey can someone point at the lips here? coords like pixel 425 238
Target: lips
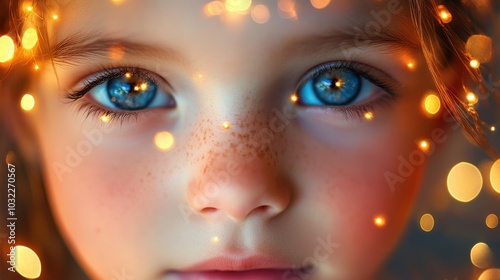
pixel 225 268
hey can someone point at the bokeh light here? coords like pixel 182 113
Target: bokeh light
pixel 105 118
pixel 27 262
pixel 464 182
pixel 490 274
pixel 492 221
pixel 444 14
pixel 493 128
pixel 10 157
pixel 215 239
pixel 427 222
pixel 30 38
pixel 495 176
pixel 260 13
pixel 471 98
pixel 368 116
pixel 116 52
pixel 226 125
pixel 474 63
pixel 238 6
pixel 480 47
pixel 7 48
pixel 320 4
pixel 164 140
pixel 432 104
pixel 410 65
pixel 27 102
pixel 481 255
pixel 286 9
pixel 424 145
pixel 379 221
pixel 214 8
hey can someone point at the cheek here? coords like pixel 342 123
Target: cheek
pixel 363 180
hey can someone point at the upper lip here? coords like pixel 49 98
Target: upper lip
pixel 226 263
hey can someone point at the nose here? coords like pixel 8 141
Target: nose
pixel 239 182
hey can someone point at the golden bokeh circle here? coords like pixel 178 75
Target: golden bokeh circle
pixel 481 255
pixel 427 222
pixel 464 182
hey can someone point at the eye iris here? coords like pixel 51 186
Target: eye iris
pixel 131 93
pixel 337 87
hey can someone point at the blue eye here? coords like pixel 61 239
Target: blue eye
pixel 338 85
pixel 129 92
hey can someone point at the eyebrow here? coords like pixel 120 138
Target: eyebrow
pixel 353 40
pixel 78 47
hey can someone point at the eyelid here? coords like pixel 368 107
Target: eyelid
pixel 372 74
pixel 105 74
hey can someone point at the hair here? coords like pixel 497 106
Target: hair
pixel 443 46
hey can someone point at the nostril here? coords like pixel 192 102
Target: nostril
pixel 262 210
pixel 208 210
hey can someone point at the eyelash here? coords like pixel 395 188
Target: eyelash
pixel 103 76
pixel 386 84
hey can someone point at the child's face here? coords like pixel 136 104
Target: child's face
pixel 313 185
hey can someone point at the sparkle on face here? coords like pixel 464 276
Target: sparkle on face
pixel 368 116
pixel 226 125
pixel 432 104
pixel 379 221
pixel 294 98
pixel 105 118
pixel 424 145
pixel 164 140
pixel 215 239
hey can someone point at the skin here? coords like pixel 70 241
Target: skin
pixel 127 205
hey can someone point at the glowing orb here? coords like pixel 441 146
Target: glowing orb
pixel 27 102
pixel 320 4
pixel 464 182
pixel 260 13
pixel 7 48
pixel 480 255
pixel 427 222
pixel 492 221
pixel 27 262
pixel 30 38
pixel 164 140
pixel 495 176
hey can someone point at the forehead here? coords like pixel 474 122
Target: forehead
pixel 188 22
